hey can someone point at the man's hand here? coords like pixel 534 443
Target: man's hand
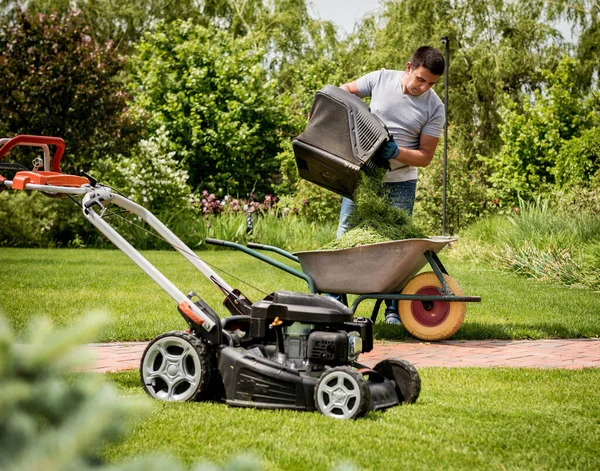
pixel 390 150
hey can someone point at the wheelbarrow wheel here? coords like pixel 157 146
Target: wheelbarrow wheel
pixel 431 320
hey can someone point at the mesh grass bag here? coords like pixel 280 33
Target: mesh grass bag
pixel 342 138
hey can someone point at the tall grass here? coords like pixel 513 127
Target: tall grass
pixel 288 232
pixel 540 242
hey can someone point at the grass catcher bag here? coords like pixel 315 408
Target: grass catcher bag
pixel 342 138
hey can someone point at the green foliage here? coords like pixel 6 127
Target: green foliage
pixel 311 202
pixel 533 133
pixel 232 85
pixel 50 421
pixel 150 175
pixel 579 159
pixel 58 82
pixel 211 95
pixel 54 419
pixel 467 196
pixel 373 218
pixel 34 220
pixel 580 198
pixel 495 48
pixel 585 15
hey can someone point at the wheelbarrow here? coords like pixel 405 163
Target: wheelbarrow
pixel 431 304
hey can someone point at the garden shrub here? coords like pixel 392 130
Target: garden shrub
pixel 533 133
pixel 311 202
pixel 52 418
pixel 30 219
pixel 467 198
pixel 49 420
pixel 150 175
pixel 579 159
pixel 57 81
pixel 209 92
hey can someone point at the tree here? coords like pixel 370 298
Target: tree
pixel 497 48
pixel 121 21
pixel 57 82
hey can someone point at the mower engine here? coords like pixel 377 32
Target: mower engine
pixel 306 348
pixel 295 351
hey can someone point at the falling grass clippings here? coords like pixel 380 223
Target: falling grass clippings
pixel 374 219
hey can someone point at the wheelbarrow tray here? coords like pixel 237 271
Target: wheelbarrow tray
pixel 384 267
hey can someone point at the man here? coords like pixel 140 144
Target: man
pixel 414 115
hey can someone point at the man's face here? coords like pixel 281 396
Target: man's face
pixel 417 81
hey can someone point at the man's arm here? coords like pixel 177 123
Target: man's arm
pixel 351 87
pixel 422 156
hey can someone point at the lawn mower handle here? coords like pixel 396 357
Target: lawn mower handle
pixel 37 141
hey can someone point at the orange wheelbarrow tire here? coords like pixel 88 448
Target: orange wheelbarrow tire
pixel 431 320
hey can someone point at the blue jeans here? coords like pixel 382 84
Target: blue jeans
pixel 402 196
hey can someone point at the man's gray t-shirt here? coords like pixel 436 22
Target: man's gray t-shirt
pixel 406 116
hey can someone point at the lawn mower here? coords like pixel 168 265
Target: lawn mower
pixel 289 350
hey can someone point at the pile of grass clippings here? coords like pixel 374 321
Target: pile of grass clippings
pixel 374 219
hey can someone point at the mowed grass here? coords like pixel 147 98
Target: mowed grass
pixel 464 419
pixel 64 284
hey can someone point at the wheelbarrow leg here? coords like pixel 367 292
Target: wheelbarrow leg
pixel 439 270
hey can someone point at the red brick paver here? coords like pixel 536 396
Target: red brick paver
pixel 569 354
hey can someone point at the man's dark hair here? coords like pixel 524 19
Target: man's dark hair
pixel 430 58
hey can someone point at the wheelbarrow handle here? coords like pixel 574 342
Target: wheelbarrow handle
pixel 38 141
pixel 254 245
pixel 270 261
pixel 271 248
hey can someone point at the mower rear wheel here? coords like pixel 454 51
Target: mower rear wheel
pixel 342 393
pixel 431 320
pixel 404 375
pixel 175 367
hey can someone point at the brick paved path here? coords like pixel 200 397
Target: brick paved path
pixel 570 354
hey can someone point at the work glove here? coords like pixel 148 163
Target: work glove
pixel 390 150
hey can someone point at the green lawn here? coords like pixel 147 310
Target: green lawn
pixel 465 419
pixel 65 284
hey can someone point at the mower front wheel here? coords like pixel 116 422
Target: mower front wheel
pixel 175 366
pixel 342 393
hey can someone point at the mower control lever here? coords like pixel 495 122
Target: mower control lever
pixel 92 202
